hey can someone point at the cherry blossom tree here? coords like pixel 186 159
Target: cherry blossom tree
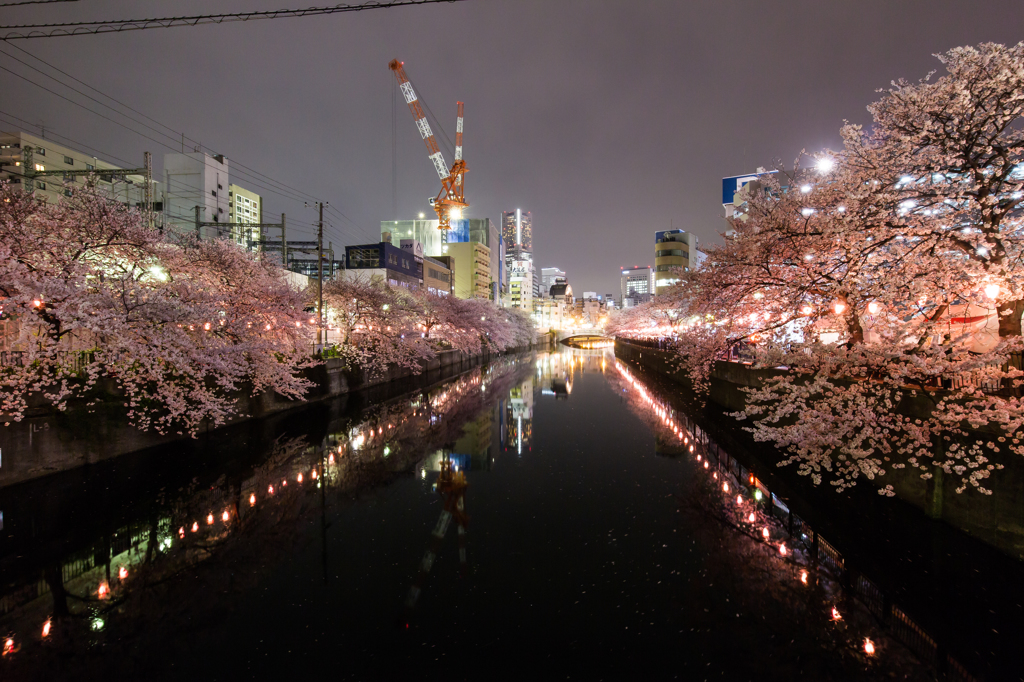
pixel 885 281
pixel 99 300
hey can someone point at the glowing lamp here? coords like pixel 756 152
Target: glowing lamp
pixel 757 495
pixel 835 614
pixel 225 516
pixel 725 487
pixel 869 647
pixel 805 189
pixel 299 478
pixel 739 499
pixel 252 500
pixel 46 628
pixel 195 526
pixel 313 474
pixel 806 310
pixel 992 290
pixel 270 490
pixel 751 518
pixel 206 326
pixel 803 577
pixel 839 307
pixel 825 164
pixel 758 295
pixel 8 645
pixel 705 465
pixel 873 308
pixel 782 549
pixel 764 532
pixel 181 532
pixel 209 520
pixel 122 573
pixel 103 591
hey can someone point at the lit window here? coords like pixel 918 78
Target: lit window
pixel 40 167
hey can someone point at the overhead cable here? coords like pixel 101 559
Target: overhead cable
pixel 57 30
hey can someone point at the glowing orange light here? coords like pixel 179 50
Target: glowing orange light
pixel 209 520
pixel 715 475
pixel 331 458
pixel 122 573
pixel 764 532
pixel 206 326
pixel 873 308
pixel 252 499
pixel 803 577
pixel 46 628
pixel 739 499
pixel 698 458
pixel 806 310
pixel 705 465
pixel 195 526
pixel 839 307
pixel 181 532
pixel 102 592
pixel 37 303
pixel 782 549
pixel 225 516
pixel 313 474
pixel 8 645
pixel 751 479
pixel 299 478
pixel 869 647
pixel 992 290
pixel 835 614
pixel 751 518
pixel 725 487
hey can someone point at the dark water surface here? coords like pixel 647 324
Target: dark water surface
pixel 593 545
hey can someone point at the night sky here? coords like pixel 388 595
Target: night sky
pixel 607 119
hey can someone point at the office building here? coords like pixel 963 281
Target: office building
pixel 517 231
pixel 423 231
pixel 548 276
pixel 386 261
pixel 471 265
pixel 245 208
pixel 675 251
pixel 637 285
pixel 192 180
pixel 520 285
pixel 437 276
pixel 47 162
pixel 483 231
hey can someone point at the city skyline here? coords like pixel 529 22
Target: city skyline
pixel 692 104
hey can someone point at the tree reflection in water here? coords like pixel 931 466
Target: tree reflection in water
pixel 183 568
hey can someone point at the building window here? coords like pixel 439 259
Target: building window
pixel 67 192
pixel 69 161
pixel 40 185
pixel 213 192
pixel 40 151
pixel 40 167
pixel 364 258
pixel 89 167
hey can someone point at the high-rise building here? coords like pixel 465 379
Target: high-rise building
pixel 674 251
pixel 517 231
pixel 637 285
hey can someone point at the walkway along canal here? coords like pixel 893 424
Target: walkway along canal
pixel 557 515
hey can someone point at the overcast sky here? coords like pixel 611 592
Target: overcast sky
pixel 607 119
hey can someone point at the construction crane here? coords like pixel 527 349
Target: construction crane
pixel 451 200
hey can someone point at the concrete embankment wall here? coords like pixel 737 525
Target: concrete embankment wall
pixel 47 442
pixel 997 519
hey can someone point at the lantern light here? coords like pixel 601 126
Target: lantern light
pixel 869 647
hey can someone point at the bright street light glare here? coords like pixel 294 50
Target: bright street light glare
pixel 825 164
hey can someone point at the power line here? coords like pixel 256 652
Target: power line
pixel 58 30
pixel 32 2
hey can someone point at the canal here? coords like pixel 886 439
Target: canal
pixel 552 516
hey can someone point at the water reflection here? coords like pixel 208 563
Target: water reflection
pixel 606 524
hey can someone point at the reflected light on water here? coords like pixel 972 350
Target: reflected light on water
pixel 46 628
pixel 835 614
pixel 869 647
pixel 122 573
pixel 803 577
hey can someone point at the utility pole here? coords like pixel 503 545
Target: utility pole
pixel 320 279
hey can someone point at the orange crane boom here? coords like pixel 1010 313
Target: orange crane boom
pixel 451 200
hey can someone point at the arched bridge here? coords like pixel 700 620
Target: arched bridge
pixel 584 338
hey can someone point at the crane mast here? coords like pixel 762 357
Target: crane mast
pixel 451 200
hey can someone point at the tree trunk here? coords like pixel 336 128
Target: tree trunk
pixel 1009 318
